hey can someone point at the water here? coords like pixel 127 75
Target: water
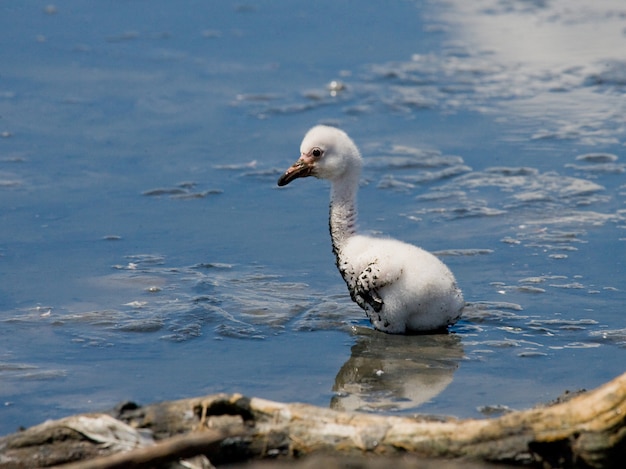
pixel 146 253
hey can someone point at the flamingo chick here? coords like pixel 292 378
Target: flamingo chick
pixel 402 288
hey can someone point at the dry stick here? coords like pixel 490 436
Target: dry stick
pixel 170 449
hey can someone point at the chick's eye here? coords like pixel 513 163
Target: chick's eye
pixel 316 152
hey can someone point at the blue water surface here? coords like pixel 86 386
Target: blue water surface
pixel 146 253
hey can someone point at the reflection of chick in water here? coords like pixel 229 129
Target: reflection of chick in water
pixel 393 372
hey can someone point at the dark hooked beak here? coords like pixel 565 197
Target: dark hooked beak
pixel 300 169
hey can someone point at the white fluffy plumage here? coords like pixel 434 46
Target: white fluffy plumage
pixel 402 288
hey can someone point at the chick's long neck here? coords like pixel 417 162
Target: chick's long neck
pixel 343 210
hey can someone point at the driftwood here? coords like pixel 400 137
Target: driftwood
pixel 588 430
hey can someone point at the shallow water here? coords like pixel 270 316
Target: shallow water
pixel 146 253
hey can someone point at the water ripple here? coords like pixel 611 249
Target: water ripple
pixel 192 301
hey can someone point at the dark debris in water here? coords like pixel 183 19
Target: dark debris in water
pixel 613 75
pixel 596 158
pixel 494 410
pixel 184 190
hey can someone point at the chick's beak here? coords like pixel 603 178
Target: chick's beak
pixel 300 169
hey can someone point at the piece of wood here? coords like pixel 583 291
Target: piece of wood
pixel 165 451
pixel 589 430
